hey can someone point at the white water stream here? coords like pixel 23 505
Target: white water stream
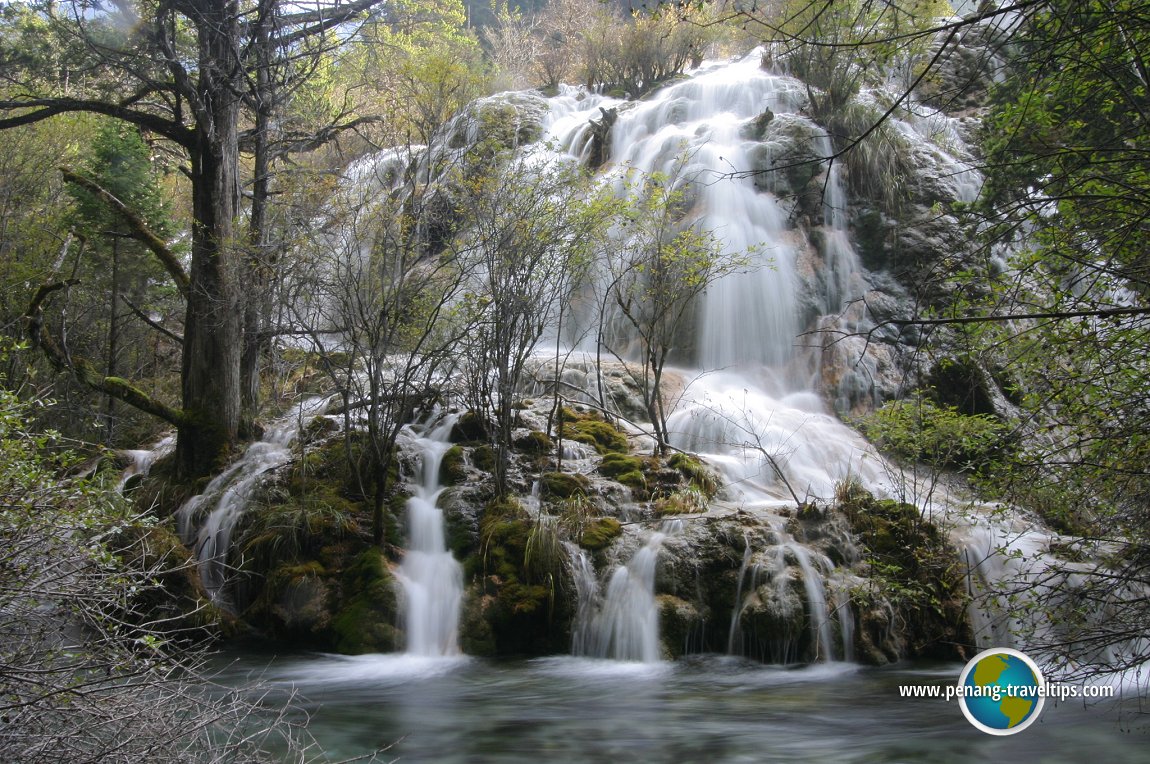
pixel 431 578
pixel 205 522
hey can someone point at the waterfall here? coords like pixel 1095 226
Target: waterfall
pixel 816 603
pixel 140 461
pixel 734 634
pixel 432 580
pixel 205 522
pixel 625 626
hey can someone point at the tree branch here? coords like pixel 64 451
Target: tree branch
pixel 140 230
pixel 46 108
pixel 82 370
pixel 154 324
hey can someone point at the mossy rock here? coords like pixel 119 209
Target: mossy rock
pixel 685 502
pixel 483 458
pixel 696 472
pixel 469 428
pixel 453 466
pixel 599 533
pixel 366 622
pixel 913 566
pixel 475 634
pixel 614 464
pixel 520 594
pixel 680 625
pixel 564 485
pixel 534 442
pixel 960 383
pixel 592 430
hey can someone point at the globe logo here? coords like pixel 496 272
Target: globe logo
pixel 1001 691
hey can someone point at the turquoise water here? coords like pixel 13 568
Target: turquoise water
pixel 712 709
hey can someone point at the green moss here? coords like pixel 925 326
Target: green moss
pixel 534 442
pixel 613 465
pixel 635 481
pixel 519 571
pixel 591 429
pixel 366 623
pixel 564 485
pixel 453 467
pixel 628 470
pixel 698 474
pixel 483 458
pixel 599 533
pixel 912 565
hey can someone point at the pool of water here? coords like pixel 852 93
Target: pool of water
pixel 713 709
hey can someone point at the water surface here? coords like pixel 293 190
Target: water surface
pixel 712 709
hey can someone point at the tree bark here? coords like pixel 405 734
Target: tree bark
pixel 213 333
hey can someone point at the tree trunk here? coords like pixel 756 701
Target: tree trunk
pixel 113 341
pixel 213 333
pixel 259 258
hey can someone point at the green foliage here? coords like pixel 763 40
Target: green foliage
pixel 940 436
pixel 593 43
pixel 419 65
pixel 1066 142
pixel 834 47
pixel 121 163
pixel 126 684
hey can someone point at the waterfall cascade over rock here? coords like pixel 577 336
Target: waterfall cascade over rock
pixel 431 578
pixel 771 361
pixel 205 522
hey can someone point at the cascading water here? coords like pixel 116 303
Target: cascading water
pixel 431 578
pixel 747 408
pixel 205 522
pixel 625 626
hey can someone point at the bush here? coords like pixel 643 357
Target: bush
pixel 940 436
pixel 89 670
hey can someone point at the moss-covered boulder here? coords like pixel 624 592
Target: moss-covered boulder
pixel 469 428
pixel 590 428
pixel 599 533
pixel 523 587
pixel 697 474
pixel 564 485
pixel 680 625
pixel 912 567
pixel 453 466
pixel 366 621
pixel 534 442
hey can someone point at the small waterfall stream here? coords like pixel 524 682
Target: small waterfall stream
pixel 431 578
pixel 205 522
pixel 624 624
